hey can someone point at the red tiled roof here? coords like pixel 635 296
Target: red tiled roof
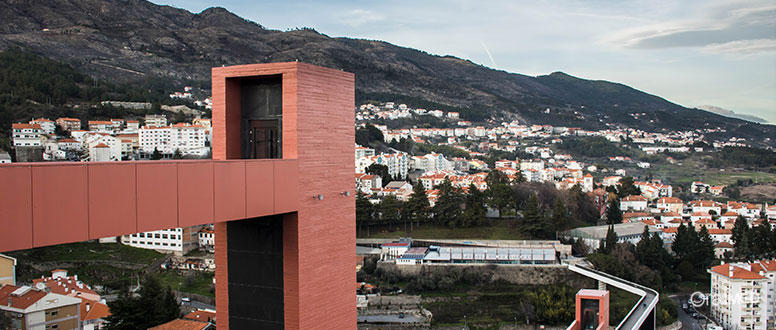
pixel 634 198
pixel 97 310
pixel 200 315
pixel 20 302
pixel 720 232
pixel 24 126
pixel 669 200
pixel 738 272
pixel 181 324
pixel 725 245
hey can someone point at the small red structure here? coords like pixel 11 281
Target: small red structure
pixel 592 310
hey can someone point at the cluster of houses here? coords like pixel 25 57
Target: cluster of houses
pixel 668 213
pixel 58 301
pixel 109 140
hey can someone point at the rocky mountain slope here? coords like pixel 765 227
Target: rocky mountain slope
pixel 126 40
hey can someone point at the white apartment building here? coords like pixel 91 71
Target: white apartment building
pixel 364 152
pixel 155 120
pixel 431 163
pixel 189 139
pixel 47 126
pixel 102 147
pixel 175 240
pixel 633 203
pixel 742 295
pixel 102 126
pixel 207 237
pixel 26 135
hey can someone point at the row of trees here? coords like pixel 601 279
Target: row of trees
pixel 544 209
pixel 753 242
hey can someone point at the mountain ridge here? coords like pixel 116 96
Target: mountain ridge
pixel 125 40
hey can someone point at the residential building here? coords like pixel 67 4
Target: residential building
pixel 633 203
pixel 101 126
pixel 178 241
pixel 60 283
pixel 207 238
pixel 366 182
pixel 68 124
pixel 706 207
pixel 721 248
pixel 188 139
pixel 93 314
pixel 7 270
pixel 31 309
pixel 46 126
pixel 670 204
pixel 364 152
pixel 742 295
pixel 26 135
pixel 155 120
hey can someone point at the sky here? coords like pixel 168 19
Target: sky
pixel 694 53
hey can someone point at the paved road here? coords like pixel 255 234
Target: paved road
pixel 197 304
pixel 688 322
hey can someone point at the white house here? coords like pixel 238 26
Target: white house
pixel 634 203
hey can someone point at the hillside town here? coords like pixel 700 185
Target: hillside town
pixel 462 160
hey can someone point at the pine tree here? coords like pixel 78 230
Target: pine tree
pixel 447 210
pixel 154 305
pixel 613 213
pixel 475 211
pixel 499 192
pixel 418 205
pixel 157 155
pixel 681 246
pixel 390 210
pixel 705 248
pixel 559 215
pixel 610 242
pixel 533 221
pixel 364 210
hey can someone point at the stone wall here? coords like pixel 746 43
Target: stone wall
pixel 515 274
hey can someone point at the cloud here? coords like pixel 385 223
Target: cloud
pixel 359 17
pixel 742 47
pixel 721 28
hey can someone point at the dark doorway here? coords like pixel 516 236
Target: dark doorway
pixel 255 254
pixel 261 100
pixel 264 140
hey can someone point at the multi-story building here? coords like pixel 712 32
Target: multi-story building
pixel 26 135
pixel 31 309
pixel 364 152
pixel 207 238
pixel 633 202
pixel 68 124
pixel 742 295
pixel 102 126
pixel 188 139
pixel 156 120
pixel 178 241
pixel 46 126
pixel 670 204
